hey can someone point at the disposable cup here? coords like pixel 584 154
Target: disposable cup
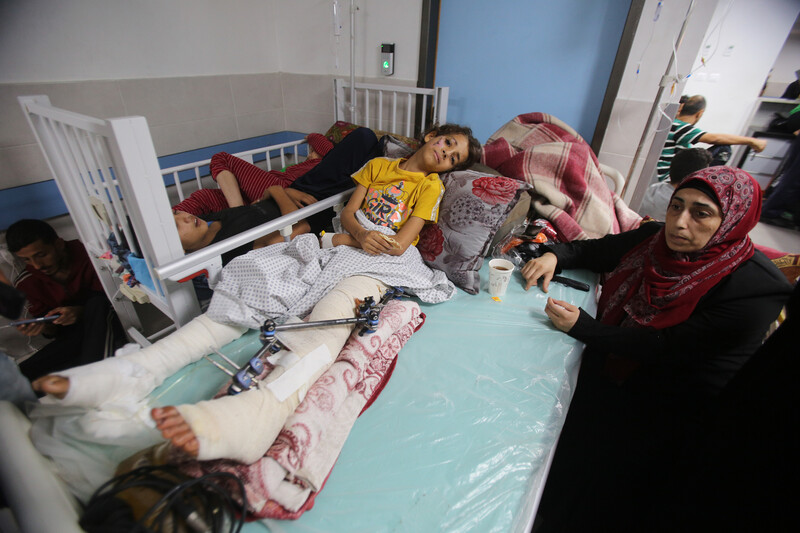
pixel 500 271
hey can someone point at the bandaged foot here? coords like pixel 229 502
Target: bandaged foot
pixel 127 379
pixel 175 429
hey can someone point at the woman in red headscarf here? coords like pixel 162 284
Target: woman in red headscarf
pixel 682 308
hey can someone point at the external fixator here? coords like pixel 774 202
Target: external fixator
pixel 367 316
pixel 242 377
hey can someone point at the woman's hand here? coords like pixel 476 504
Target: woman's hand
pixel 563 314
pixel 542 267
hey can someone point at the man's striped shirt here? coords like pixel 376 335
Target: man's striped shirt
pixel 681 135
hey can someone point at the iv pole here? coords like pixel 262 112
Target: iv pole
pixel 653 110
pixel 353 62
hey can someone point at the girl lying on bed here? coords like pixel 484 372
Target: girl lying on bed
pixel 392 198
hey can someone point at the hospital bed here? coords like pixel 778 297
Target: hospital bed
pixel 460 439
pixel 108 175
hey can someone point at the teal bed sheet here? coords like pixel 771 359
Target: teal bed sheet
pixel 460 438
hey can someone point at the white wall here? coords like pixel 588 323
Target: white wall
pixel 756 30
pixel 783 71
pixel 742 44
pixel 376 22
pixel 72 40
pixel 203 72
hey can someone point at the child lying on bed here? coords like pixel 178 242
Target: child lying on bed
pixel 289 279
pixel 243 183
pixel 330 176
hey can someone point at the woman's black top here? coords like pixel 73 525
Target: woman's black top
pixel 703 352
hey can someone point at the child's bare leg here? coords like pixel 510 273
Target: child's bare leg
pixel 230 188
pixel 175 429
pixel 53 385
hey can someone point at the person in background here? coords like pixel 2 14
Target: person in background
pixel 793 89
pixel 59 281
pixel 683 134
pixel 782 203
pixel 657 197
pixel 14 387
pixel 683 307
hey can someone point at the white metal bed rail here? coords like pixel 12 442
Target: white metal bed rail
pixel 94 163
pixel 208 260
pixel 376 106
pixel 288 152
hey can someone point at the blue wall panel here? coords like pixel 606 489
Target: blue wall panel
pixel 43 200
pixel 508 57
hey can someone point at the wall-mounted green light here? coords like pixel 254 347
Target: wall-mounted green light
pixel 387 59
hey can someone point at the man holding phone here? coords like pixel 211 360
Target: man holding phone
pixel 59 281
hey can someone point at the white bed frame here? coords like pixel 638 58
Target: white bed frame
pixel 113 163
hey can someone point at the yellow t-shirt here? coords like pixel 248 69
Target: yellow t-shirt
pixel 394 194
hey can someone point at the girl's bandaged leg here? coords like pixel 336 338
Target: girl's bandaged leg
pixel 338 303
pixel 243 427
pixel 133 376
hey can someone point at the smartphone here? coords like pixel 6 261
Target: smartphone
pixel 34 320
pixel 569 282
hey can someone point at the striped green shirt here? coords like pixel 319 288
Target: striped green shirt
pixel 681 135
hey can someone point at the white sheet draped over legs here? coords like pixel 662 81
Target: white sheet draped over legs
pixel 243 427
pixel 288 279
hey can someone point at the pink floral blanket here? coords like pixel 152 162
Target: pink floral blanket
pixel 569 188
pixel 285 482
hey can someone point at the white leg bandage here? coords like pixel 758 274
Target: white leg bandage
pixel 243 427
pixel 133 376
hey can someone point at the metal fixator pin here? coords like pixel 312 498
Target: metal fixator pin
pixel 367 318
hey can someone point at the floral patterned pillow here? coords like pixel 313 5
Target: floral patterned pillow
pixel 474 206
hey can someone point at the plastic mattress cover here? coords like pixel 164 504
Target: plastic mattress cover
pixel 461 437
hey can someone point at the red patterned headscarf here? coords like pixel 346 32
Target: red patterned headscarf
pixel 656 287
